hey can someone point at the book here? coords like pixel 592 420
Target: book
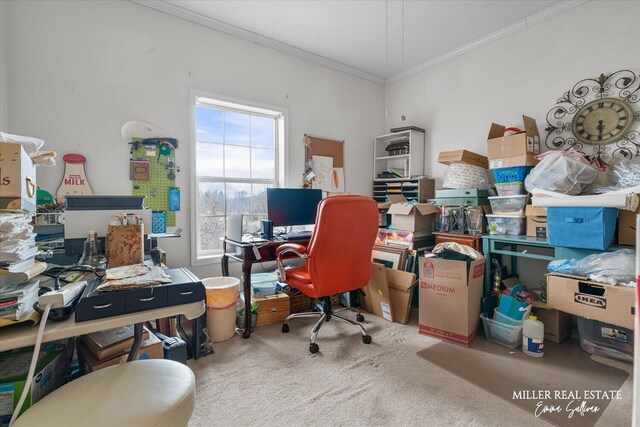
pixel 16 277
pixel 19 265
pixel 17 299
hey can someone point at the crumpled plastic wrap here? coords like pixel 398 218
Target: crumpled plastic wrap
pixel 607 267
pixel 567 172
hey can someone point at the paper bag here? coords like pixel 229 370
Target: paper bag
pixel 124 245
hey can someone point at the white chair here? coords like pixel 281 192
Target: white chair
pixel 139 393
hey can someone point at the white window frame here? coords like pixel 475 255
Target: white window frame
pixel 241 106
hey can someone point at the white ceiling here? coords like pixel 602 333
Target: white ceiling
pixel 350 34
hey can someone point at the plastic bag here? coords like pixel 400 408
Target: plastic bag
pixel 460 175
pixel 608 267
pixel 624 174
pixel 567 172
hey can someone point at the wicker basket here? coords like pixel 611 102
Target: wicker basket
pixel 300 303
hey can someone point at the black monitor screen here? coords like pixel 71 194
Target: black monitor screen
pixel 292 206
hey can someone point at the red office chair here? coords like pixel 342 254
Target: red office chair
pixel 338 258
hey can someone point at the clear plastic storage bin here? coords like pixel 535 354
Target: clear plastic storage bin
pixel 515 225
pixel 264 284
pixel 504 334
pixel 511 188
pixel 604 339
pixel 509 205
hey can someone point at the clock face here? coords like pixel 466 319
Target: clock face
pixel 602 121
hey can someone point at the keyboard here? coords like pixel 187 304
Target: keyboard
pixel 297 235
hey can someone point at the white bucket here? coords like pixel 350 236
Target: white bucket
pixel 222 296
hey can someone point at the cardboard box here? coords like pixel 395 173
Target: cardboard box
pixel 626 227
pixel 557 324
pixel 377 295
pixel 509 162
pixel 150 349
pixel 401 286
pixel 410 217
pixel 463 156
pixel 17 178
pixel 51 372
pixel 536 221
pixel 112 342
pixel 388 293
pixel 272 309
pixel 500 146
pixel 450 297
pixel 591 300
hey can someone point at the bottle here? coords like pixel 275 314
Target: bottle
pixel 533 337
pixel 91 255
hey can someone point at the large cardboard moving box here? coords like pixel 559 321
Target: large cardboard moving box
pixel 450 295
pixel 513 150
pixel 410 216
pixel 592 300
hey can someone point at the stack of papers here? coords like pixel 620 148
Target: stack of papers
pixel 132 277
pixel 17 240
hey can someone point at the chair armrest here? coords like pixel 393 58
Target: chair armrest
pixel 294 248
pixel 291 247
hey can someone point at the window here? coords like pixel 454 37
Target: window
pixel 238 155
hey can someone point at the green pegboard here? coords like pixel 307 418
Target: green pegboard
pixel 157 188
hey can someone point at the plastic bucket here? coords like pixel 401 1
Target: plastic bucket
pixel 222 296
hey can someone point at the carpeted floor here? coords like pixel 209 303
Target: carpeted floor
pixel 272 379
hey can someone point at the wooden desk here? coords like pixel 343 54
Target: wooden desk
pixel 24 335
pixel 463 239
pixel 247 256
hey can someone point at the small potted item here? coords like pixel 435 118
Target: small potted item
pixel 240 317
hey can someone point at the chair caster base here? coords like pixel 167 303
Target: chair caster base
pixel 285 328
pixel 360 318
pixel 314 348
pixel 366 339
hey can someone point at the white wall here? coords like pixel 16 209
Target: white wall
pixel 523 73
pixel 77 71
pixel 3 79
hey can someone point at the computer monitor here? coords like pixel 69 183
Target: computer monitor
pixel 292 206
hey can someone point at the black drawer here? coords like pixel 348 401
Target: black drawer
pixel 100 306
pixel 146 299
pixel 185 293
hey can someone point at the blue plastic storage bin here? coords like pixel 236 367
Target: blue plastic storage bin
pixel 584 228
pixel 512 174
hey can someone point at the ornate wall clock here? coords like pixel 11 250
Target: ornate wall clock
pixel 599 117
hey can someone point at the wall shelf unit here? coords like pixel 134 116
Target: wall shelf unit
pixel 398 155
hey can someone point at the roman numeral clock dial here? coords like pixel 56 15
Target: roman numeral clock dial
pixel 602 121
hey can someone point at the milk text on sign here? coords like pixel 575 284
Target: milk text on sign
pixel 74 180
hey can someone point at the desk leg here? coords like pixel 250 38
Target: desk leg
pixel 486 248
pixel 514 261
pixel 196 337
pixel 225 260
pixel 246 276
pixel 137 342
